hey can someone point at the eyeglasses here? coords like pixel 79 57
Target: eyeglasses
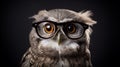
pixel 47 29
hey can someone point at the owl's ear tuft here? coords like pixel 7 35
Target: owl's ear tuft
pixel 86 13
pixel 86 17
pixel 40 16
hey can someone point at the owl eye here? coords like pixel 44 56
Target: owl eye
pixel 71 28
pixel 49 28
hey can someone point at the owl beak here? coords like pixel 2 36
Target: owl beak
pixel 59 38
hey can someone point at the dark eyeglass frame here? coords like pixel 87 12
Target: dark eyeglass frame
pixel 85 26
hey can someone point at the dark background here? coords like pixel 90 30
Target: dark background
pixel 15 28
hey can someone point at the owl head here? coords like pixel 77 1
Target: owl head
pixel 61 32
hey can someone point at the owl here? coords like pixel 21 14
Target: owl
pixel 59 38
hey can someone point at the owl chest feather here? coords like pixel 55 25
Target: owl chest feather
pixel 56 62
pixel 32 60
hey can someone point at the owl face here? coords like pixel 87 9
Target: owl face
pixel 60 32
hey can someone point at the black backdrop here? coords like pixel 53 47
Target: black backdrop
pixel 15 28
